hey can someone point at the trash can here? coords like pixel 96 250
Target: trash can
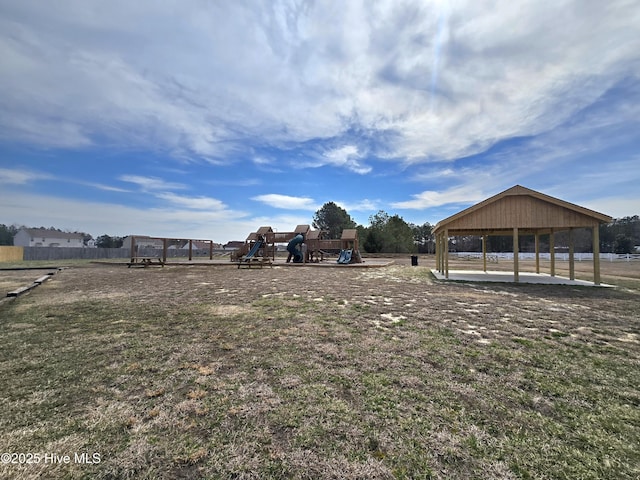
pixel 414 260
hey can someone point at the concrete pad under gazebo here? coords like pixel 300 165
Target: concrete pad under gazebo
pixel 520 211
pixel 508 277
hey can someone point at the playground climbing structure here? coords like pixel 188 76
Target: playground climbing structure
pixel 303 245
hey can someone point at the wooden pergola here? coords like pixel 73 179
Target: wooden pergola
pixel 521 211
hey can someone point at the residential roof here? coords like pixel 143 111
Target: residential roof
pixel 45 233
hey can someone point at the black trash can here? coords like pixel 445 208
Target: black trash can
pixel 414 260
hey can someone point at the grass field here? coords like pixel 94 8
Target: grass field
pixel 318 373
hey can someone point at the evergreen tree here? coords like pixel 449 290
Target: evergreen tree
pixel 332 219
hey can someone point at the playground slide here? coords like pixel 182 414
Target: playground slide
pixel 345 256
pixel 254 250
pixel 293 250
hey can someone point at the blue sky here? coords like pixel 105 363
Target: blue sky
pixel 207 119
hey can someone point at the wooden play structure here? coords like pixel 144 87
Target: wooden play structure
pixel 303 244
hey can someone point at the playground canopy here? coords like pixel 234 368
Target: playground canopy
pixel 520 211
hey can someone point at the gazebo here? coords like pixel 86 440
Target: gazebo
pixel 520 211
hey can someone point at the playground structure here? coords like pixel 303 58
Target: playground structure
pixel 303 245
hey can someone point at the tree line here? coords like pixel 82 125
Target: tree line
pixel 392 234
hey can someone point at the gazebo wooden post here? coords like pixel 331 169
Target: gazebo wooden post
pixel 190 250
pixel 537 241
pixel 595 239
pixel 442 253
pixel 164 250
pixel 211 250
pixel 133 249
pixel 572 263
pixel 438 253
pixel 445 240
pixel 516 273
pixel 484 253
pixel 552 252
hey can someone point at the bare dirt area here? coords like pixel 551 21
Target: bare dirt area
pixel 306 372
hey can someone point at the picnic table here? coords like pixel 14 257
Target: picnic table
pixel 257 261
pixel 145 261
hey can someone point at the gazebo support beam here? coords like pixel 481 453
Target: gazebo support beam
pixel 438 253
pixel 446 253
pixel 595 240
pixel 572 263
pixel 537 241
pixel 484 253
pixel 516 273
pixel 552 252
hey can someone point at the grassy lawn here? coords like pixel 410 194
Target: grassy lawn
pixel 201 372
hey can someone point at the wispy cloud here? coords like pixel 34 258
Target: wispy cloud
pixel 9 176
pixel 324 74
pixel 194 203
pixel 286 202
pixel 114 219
pixel 106 188
pixel 429 199
pixel 348 157
pixel 152 183
pixel 364 205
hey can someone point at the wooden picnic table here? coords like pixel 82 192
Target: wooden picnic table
pixel 257 261
pixel 145 261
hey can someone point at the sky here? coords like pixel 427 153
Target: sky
pixel 207 119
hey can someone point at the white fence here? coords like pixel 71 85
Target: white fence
pixel 579 257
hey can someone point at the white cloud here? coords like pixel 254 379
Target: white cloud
pixel 286 202
pixel 429 199
pixel 106 188
pixel 193 203
pixel 348 157
pixel 151 183
pixel 364 205
pixel 98 218
pixel 10 176
pixel 77 72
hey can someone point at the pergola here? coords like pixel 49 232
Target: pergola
pixel 521 211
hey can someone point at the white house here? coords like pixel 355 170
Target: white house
pixel 40 237
pixel 143 241
pixel 200 245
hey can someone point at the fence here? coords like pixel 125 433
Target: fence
pixel 612 257
pixel 10 254
pixel 70 253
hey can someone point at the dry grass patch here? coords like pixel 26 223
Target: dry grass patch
pixel 319 373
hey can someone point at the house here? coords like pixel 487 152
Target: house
pixel 142 241
pixel 233 245
pixel 200 245
pixel 41 237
